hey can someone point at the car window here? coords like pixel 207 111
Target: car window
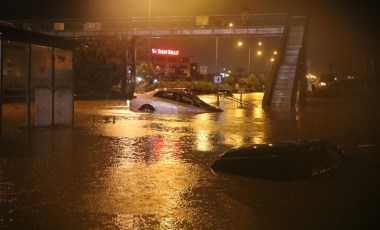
pixel 187 100
pixel 320 160
pixel 336 154
pixel 166 95
pixel 199 101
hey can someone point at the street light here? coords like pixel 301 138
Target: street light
pixel 274 54
pixel 240 43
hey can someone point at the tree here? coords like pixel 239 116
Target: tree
pixel 96 67
pixel 146 72
pixel 250 82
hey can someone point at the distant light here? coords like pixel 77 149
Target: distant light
pixel 240 43
pixel 272 59
pixel 323 83
pixel 259 53
pixel 275 52
pixel 311 76
pixel 128 103
pixel 259 43
pixel 231 24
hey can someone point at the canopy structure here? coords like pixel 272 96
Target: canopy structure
pixel 36 80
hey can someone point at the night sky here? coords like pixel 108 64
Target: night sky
pixel 339 30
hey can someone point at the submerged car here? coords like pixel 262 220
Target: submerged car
pixel 281 161
pixel 171 101
pixel 225 93
pixel 184 90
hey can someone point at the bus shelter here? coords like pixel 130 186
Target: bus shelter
pixel 36 81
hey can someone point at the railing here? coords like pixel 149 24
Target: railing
pixel 240 102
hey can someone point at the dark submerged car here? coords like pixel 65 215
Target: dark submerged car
pixel 225 93
pixel 281 161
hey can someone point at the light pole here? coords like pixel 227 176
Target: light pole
pixel 149 8
pixel 149 27
pixel 216 53
pixel 240 43
pixel 249 60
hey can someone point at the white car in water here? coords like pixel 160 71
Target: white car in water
pixel 171 101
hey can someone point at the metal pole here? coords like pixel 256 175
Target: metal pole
pixel 216 53
pixel 53 92
pixel 149 8
pixel 374 60
pixel 249 60
pixel 217 95
pixel 149 27
pixel 29 87
pixel 1 85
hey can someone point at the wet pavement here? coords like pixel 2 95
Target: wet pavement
pixel 117 169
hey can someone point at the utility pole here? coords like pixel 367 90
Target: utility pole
pixel 374 58
pixel 216 53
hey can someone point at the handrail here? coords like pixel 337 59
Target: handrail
pixel 270 84
pixel 246 103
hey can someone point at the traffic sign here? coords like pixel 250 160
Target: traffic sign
pixel 217 79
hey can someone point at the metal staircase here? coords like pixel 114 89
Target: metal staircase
pixel 284 81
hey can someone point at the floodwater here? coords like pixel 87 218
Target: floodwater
pixel 117 169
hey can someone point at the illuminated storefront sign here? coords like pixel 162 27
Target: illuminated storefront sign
pixel 165 52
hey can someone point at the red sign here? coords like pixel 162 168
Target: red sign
pixel 165 52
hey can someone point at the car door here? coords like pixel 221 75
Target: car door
pixel 186 104
pixel 165 102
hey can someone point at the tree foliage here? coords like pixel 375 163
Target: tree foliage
pixel 146 71
pixel 250 82
pixel 96 67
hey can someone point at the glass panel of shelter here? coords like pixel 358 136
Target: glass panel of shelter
pixel 15 58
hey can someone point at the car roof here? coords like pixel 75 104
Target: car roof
pixel 178 90
pixel 278 149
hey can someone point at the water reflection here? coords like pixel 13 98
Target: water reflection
pixel 120 169
pixel 235 126
pixel 165 149
pixel 282 124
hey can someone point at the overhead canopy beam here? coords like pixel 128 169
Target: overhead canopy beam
pixel 154 32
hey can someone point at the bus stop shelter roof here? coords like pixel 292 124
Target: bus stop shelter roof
pixel 8 32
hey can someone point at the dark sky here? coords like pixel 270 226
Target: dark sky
pixel 339 30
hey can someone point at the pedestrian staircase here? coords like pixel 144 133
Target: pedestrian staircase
pixel 283 84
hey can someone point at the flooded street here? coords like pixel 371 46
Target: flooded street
pixel 118 169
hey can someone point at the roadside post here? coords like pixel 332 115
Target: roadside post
pixel 217 79
pixel 241 91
